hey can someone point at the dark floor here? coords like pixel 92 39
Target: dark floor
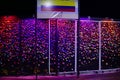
pixel 110 76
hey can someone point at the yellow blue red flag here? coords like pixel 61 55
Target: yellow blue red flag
pixel 58 5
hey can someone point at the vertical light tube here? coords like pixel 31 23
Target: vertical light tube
pixel 99 45
pixel 49 48
pixel 75 46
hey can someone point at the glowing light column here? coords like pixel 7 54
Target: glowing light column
pixel 99 45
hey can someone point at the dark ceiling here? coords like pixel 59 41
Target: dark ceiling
pixel 93 8
pixel 22 8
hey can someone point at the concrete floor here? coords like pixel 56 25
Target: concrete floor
pixel 110 76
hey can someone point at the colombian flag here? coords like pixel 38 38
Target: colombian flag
pixel 58 5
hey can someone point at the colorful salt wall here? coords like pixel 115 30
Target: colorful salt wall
pixel 30 46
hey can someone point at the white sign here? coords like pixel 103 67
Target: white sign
pixel 57 9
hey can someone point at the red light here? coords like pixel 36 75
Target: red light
pixel 9 19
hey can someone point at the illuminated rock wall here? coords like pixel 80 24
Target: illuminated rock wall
pixel 27 48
